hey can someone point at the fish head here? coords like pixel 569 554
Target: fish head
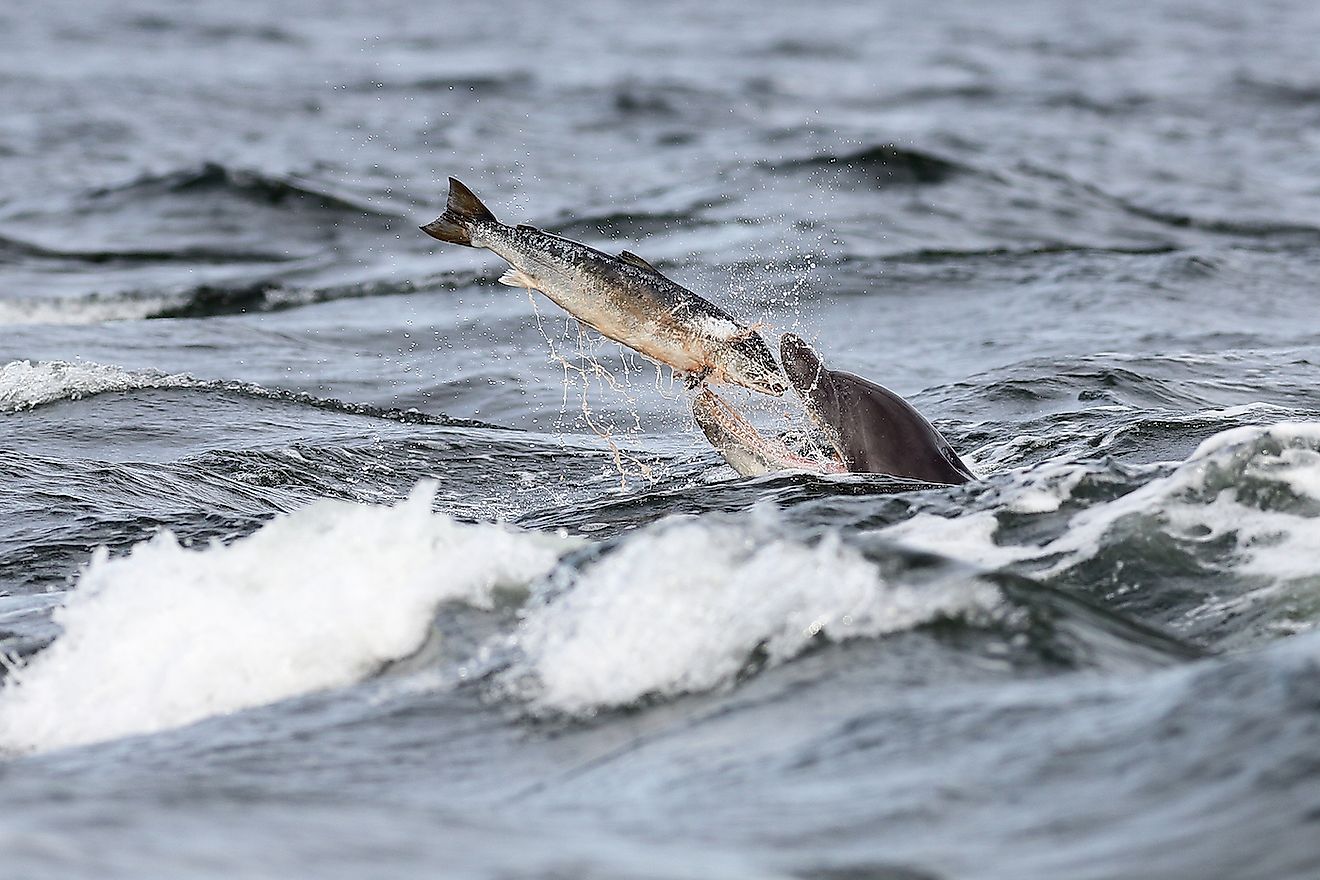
pixel 746 450
pixel 747 361
pixel 732 436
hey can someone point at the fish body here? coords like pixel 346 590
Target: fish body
pixel 623 297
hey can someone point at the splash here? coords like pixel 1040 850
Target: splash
pixel 584 371
pixel 683 608
pixel 1246 503
pixel 321 598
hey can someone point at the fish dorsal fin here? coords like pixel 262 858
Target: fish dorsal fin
pixel 527 227
pixel 633 260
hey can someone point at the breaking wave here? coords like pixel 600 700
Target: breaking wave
pixel 1235 525
pixel 25 385
pixel 321 598
pixel 685 607
pixel 335 592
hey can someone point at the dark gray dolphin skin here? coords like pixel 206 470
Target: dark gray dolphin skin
pixel 862 427
pixel 873 430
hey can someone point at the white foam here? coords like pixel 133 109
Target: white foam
pixel 969 538
pixel 25 384
pixel 681 608
pixel 321 598
pixel 84 310
pixel 1207 498
pixel 1278 544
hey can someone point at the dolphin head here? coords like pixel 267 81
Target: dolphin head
pixel 873 429
pixel 815 385
pixel 748 362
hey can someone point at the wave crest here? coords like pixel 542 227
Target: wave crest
pixel 29 384
pixel 685 608
pixel 1220 544
pixel 321 598
pixel 25 385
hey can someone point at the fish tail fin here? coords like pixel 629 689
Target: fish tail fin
pixel 461 211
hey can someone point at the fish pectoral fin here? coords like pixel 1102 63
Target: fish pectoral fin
pixel 633 260
pixel 517 278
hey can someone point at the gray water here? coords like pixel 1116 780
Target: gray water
pixel 1081 238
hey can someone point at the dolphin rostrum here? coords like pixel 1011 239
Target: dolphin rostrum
pixel 625 298
pixel 866 427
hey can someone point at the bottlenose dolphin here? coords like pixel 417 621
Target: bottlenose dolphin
pixel 625 298
pixel 864 427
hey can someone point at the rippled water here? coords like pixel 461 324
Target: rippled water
pixel 377 600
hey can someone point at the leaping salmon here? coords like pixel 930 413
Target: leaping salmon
pixel 623 297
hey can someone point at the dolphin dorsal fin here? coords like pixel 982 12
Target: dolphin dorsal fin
pixel 633 260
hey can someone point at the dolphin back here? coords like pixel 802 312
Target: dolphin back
pixel 881 433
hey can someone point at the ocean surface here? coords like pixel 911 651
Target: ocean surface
pixel 324 555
